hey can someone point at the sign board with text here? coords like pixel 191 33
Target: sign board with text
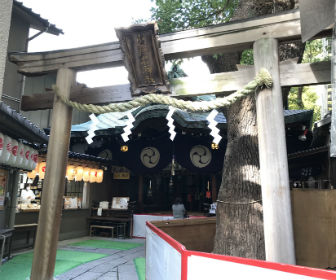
pixel 143 59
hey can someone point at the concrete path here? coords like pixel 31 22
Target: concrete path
pixel 119 265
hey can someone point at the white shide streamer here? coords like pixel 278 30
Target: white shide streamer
pixel 92 129
pixel 128 127
pixel 170 124
pixel 212 125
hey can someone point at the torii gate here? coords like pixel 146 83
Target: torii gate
pixel 263 33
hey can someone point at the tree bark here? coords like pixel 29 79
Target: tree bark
pixel 239 230
pixel 299 99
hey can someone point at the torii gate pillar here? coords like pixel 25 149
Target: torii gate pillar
pixel 278 227
pixel 54 182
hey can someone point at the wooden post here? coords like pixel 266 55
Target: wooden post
pixel 140 192
pixel 278 228
pixel 54 182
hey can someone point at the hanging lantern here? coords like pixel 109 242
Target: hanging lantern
pixel 30 162
pixel 2 142
pixel 79 173
pixel 93 175
pixel 86 174
pixel 100 175
pixel 25 161
pixel 14 152
pixel 32 174
pixel 124 148
pixel 42 169
pixel 7 150
pixel 70 172
pixel 33 159
pixel 6 153
pixel 20 156
pixel 214 146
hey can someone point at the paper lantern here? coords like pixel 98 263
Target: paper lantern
pixel 31 163
pixel 79 173
pixel 71 172
pixel 20 156
pixel 2 142
pixel 42 169
pixel 14 152
pixel 25 162
pixel 100 175
pixel 33 159
pixel 7 150
pixel 93 176
pixel 86 174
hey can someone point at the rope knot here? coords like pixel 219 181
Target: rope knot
pixel 264 79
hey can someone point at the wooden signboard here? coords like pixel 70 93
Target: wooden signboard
pixel 121 175
pixel 143 59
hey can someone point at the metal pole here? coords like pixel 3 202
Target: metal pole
pixel 86 195
pixel 54 182
pixel 278 228
pixel 15 189
pixel 333 81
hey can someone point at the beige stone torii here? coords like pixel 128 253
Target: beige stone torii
pixel 263 33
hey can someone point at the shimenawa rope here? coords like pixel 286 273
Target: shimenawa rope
pixel 261 80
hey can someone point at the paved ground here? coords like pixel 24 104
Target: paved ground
pixel 118 265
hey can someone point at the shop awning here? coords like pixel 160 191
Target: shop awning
pixel 85 157
pixel 35 20
pixel 18 127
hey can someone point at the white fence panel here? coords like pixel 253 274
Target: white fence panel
pixel 200 268
pixel 139 223
pixel 163 262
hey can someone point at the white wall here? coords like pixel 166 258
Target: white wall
pixel 5 19
pixel 17 42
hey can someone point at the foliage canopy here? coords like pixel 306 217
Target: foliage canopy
pixel 177 15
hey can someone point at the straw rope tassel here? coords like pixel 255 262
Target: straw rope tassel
pixel 262 79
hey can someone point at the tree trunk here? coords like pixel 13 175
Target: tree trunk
pixel 299 99
pixel 239 230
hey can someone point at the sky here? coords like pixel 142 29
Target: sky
pixel 89 22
